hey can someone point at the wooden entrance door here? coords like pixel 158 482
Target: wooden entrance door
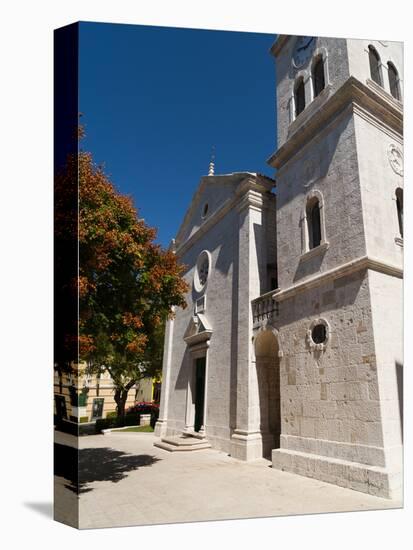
pixel 199 393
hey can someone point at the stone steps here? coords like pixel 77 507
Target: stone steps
pixel 182 443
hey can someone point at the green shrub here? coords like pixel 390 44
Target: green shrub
pixel 84 419
pixel 111 414
pixel 107 423
pixel 116 422
pixel 86 429
pixel 101 424
pixel 131 419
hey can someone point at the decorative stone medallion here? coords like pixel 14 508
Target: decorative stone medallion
pixel 202 270
pixel 395 159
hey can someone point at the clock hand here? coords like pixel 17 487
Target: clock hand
pixel 305 45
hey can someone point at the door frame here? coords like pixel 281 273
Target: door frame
pixel 199 400
pixel 196 352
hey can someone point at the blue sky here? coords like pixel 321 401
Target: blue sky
pixel 154 101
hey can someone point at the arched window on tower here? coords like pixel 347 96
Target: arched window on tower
pixel 394 81
pixel 375 70
pixel 313 223
pixel 318 75
pixel 299 96
pixel 399 205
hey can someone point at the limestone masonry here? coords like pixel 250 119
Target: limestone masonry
pixel 291 346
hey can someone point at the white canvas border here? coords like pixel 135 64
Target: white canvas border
pixel 26 275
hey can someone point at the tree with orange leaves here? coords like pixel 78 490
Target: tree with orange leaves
pixel 126 283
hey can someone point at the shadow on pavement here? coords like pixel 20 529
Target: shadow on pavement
pixel 84 466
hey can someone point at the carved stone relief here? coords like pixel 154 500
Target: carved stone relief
pixel 395 157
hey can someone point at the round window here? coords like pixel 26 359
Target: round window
pixel 319 334
pixel 202 270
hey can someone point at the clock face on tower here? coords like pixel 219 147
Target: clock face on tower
pixel 303 50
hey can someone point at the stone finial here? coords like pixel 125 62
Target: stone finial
pixel 211 170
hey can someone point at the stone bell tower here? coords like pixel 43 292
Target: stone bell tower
pixel 340 260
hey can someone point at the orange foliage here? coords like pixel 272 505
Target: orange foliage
pixel 127 283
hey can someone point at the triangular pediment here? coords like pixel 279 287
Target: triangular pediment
pixel 212 193
pixel 199 329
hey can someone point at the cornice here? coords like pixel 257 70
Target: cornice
pixel 222 179
pixel 377 123
pixel 384 94
pixel 253 191
pixel 309 111
pixel 198 338
pixel 253 195
pixel 261 184
pixel 251 199
pixel 364 262
pixel 352 93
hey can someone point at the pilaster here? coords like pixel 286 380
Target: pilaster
pixel 161 424
pixel 246 442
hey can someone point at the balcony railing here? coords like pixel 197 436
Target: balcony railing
pixel 264 308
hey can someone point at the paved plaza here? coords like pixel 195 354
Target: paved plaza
pixel 125 480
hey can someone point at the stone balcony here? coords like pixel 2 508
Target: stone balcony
pixel 264 309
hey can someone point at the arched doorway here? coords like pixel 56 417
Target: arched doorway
pixel 268 381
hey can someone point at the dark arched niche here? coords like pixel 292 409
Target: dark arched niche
pixel 268 379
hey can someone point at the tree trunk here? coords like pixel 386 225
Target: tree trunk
pixel 121 395
pixel 120 398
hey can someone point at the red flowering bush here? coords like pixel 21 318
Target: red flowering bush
pixel 145 407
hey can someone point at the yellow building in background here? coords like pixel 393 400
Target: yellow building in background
pixel 86 398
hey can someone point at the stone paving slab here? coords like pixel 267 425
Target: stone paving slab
pixel 206 485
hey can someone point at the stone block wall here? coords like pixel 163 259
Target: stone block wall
pixel 387 314
pixel 328 165
pixel 340 408
pixel 330 395
pixel 358 59
pixel 338 72
pixel 378 184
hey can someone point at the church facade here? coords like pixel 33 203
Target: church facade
pixel 291 347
